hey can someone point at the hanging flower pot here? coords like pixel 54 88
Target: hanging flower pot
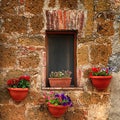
pixel 18 94
pixel 101 82
pixel 57 103
pixel 100 77
pixel 57 111
pixel 18 87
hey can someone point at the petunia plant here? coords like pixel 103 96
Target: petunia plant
pixel 57 99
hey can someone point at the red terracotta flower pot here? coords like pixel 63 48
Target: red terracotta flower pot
pixel 18 94
pixel 60 82
pixel 57 111
pixel 101 82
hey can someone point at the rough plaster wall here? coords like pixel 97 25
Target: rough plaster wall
pixel 97 114
pixel 114 61
pixel 115 98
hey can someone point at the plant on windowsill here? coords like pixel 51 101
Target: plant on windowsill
pixel 18 87
pixel 101 77
pixel 60 78
pixel 57 103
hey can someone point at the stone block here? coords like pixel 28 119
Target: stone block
pixel 30 61
pixel 86 39
pixel 4 95
pixel 105 98
pixel 5 38
pixel 105 15
pixel 7 57
pixel 105 21
pixel 10 112
pixel 34 6
pixel 14 74
pixel 94 98
pixel 98 112
pixel 52 3
pixel 68 4
pixel 78 114
pixel 8 7
pixel 89 5
pixel 104 40
pixel 82 55
pixel 85 99
pixel 1 78
pixel 31 41
pixel 106 28
pixel 100 54
pixel 35 97
pixel 37 23
pixel 15 24
pixel 102 5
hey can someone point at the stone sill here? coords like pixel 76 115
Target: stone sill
pixel 60 88
pixel 76 89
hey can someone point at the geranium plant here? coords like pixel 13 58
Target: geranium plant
pixel 21 82
pixel 58 99
pixel 100 77
pixel 60 74
pixel 100 71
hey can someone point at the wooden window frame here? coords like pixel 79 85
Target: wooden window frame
pixel 71 32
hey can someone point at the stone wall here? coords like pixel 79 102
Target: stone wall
pixel 22 51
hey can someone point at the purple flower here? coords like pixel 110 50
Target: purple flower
pixel 58 99
pixel 63 96
pixel 64 104
pixel 57 95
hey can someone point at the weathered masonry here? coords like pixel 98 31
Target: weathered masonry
pixel 88 31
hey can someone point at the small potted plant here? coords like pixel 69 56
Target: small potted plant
pixel 18 87
pixel 57 103
pixel 101 77
pixel 60 78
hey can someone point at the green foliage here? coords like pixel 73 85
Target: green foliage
pixel 104 71
pixel 21 82
pixel 58 99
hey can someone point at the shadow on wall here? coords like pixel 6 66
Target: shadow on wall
pixel 114 62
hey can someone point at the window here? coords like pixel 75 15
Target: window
pixel 61 53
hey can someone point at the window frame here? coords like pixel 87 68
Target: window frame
pixel 71 32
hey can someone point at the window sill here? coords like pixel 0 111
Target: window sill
pixel 60 88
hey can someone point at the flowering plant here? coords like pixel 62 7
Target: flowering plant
pixel 60 74
pixel 58 99
pixel 21 82
pixel 104 71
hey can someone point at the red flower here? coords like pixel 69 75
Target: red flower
pixel 12 82
pixel 90 74
pixel 60 99
pixel 94 69
pixel 26 77
pixel 107 70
